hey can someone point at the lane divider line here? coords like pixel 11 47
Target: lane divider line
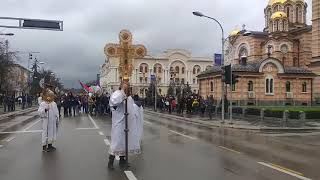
pixel 101 133
pixel 190 137
pixel 17 132
pixel 228 149
pixel 107 142
pixel 10 139
pixel 86 128
pixel 130 175
pixel 31 125
pixel 285 170
pixel 93 122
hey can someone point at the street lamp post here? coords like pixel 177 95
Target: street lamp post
pixel 196 13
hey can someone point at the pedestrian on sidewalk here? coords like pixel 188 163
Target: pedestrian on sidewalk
pixel 50 121
pixel 210 106
pixel 117 105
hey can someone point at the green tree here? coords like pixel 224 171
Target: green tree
pixel 7 60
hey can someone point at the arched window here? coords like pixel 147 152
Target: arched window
pixel 288 12
pixel 284 25
pixel 243 52
pixel 146 69
pixel 159 69
pixel 277 25
pixel 194 70
pixel 177 69
pixel 182 70
pixel 155 69
pixel 250 86
pixel 211 86
pixel 288 86
pixel 269 85
pixel 141 68
pixel 304 87
pixel 198 70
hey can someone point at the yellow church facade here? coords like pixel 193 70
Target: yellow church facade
pixel 276 66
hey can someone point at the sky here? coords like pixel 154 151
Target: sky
pixel 77 52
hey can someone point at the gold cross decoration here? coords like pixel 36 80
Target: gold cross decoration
pixel 126 52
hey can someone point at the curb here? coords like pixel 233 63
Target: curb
pixel 264 129
pixel 24 122
pixel 7 117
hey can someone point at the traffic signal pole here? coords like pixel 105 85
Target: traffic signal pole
pixel 231 85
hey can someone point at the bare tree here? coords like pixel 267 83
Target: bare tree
pixel 7 61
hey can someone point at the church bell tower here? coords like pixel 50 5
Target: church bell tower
pixel 316 30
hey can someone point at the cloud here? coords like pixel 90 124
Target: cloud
pixel 77 52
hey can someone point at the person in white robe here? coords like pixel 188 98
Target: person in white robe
pixel 40 99
pixel 138 115
pixel 49 115
pixel 118 144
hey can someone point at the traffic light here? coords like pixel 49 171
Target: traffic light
pixel 235 79
pixel 30 56
pixel 226 73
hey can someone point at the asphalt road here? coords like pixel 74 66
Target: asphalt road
pixel 172 150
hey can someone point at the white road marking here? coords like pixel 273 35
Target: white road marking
pixel 130 175
pixel 17 132
pixel 107 142
pixel 10 139
pixel 86 128
pixel 190 137
pixel 30 126
pixel 285 170
pixel 93 122
pixel 229 149
pixel 147 122
pixel 101 133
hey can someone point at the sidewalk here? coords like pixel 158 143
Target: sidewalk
pixel 237 124
pixel 12 120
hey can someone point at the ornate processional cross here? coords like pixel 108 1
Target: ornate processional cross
pixel 126 52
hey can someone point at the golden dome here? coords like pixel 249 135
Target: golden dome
pixel 234 32
pixel 272 2
pixel 279 15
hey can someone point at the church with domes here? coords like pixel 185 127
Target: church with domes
pixel 278 65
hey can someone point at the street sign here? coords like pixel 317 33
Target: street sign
pixel 217 59
pixel 153 78
pixel 41 24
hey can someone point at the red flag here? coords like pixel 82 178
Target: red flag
pixel 84 86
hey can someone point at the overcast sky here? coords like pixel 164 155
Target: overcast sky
pixel 77 52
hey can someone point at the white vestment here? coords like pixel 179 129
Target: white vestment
pixel 50 122
pixel 39 100
pixel 117 104
pixel 138 115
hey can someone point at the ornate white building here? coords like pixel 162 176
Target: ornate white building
pixel 174 66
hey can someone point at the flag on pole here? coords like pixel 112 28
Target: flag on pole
pixel 84 86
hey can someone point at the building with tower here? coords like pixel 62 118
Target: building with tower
pixel 276 66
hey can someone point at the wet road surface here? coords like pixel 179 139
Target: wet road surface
pixel 172 150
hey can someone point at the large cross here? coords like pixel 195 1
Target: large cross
pixel 126 52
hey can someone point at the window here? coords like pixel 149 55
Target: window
pixel 146 69
pixel 182 70
pixel 198 71
pixel 211 86
pixel 155 69
pixel 250 86
pixel 141 69
pixel 177 69
pixel 145 79
pixel 243 52
pixel 159 69
pixel 269 85
pixel 141 79
pixel 288 12
pixel 304 87
pixel 194 81
pixel 288 86
pixel 194 70
pixel 297 14
pixel 233 87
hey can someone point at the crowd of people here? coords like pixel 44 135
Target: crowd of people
pixel 93 104
pixel 10 102
pixel 192 105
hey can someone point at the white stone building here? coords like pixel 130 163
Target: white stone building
pixel 174 66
